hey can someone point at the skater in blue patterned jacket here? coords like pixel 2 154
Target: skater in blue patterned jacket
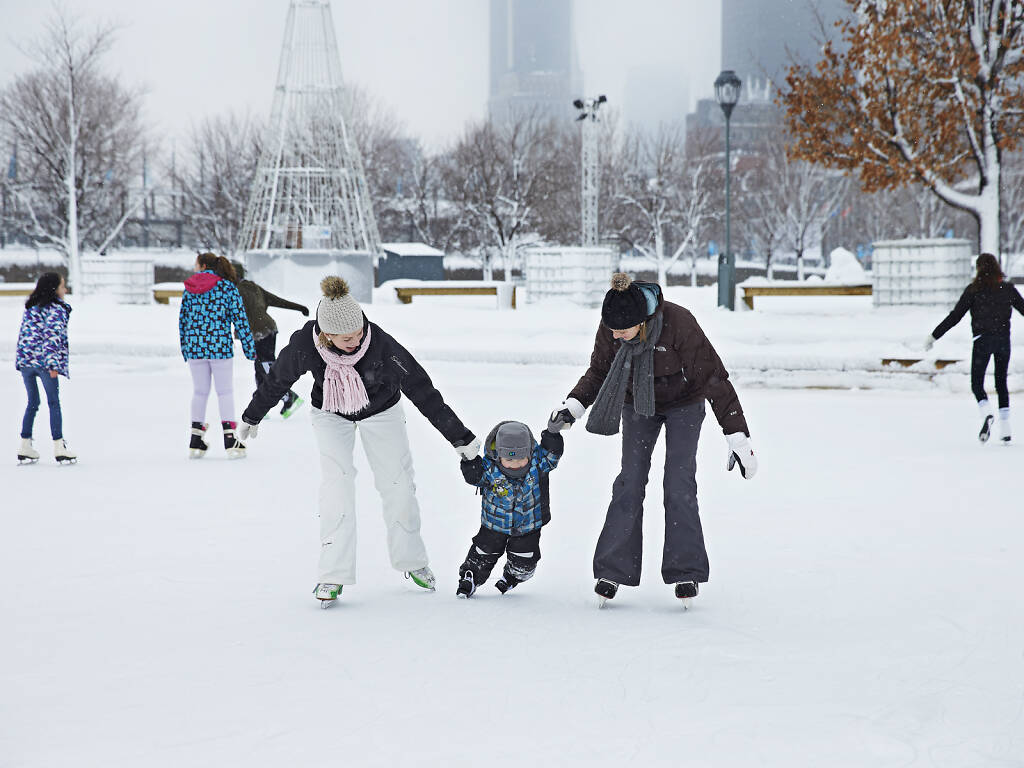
pixel 43 355
pixel 512 476
pixel 210 305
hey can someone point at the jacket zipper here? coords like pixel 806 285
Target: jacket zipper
pixel 399 364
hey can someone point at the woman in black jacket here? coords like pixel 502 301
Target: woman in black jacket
pixel 990 300
pixel 359 376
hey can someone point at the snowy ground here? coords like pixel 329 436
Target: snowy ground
pixel 157 612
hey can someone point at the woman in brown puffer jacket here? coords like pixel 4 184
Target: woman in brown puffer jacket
pixel 652 366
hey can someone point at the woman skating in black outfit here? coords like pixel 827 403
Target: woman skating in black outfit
pixel 990 300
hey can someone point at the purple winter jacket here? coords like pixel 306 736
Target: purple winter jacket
pixel 43 338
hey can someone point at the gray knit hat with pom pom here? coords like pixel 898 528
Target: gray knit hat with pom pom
pixel 338 312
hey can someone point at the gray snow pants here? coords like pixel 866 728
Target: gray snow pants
pixel 620 547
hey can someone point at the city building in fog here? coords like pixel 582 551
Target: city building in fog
pixel 655 96
pixel 533 59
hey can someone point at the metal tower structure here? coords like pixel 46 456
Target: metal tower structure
pixel 590 164
pixel 310 192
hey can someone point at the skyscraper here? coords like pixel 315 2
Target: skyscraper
pixel 761 38
pixel 534 65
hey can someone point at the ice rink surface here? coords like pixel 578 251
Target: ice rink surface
pixel 863 608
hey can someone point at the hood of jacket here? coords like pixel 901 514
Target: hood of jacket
pixel 201 282
pixel 652 293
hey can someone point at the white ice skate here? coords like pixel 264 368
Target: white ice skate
pixel 327 594
pixel 63 454
pixel 422 577
pixel 26 453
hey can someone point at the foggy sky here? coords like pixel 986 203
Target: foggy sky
pixel 425 59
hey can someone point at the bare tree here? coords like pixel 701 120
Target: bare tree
pixel 214 179
pixel 499 175
pixel 665 195
pixel 80 140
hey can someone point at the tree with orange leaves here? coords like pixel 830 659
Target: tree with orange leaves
pixel 925 91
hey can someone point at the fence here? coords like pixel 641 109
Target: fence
pixel 578 274
pixel 920 272
pixel 129 279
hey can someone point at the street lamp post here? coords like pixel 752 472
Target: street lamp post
pixel 590 166
pixel 727 93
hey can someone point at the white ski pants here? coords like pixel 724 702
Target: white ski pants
pixel 386 445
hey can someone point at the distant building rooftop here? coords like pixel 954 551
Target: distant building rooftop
pixel 410 249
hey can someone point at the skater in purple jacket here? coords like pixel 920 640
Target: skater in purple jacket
pixel 42 356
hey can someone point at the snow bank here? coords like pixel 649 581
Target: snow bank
pixel 845 269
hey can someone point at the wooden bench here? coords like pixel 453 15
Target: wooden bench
pixel 802 289
pixel 405 293
pixel 906 362
pixel 164 295
pixel 12 291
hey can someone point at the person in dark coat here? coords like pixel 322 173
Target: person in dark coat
pixel 512 477
pixel 256 299
pixel 991 300
pixel 359 376
pixel 653 367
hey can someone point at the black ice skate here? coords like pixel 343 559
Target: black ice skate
pixel 986 429
pixel 234 447
pixel 686 591
pixel 197 447
pixel 467 585
pixel 505 583
pixel 605 589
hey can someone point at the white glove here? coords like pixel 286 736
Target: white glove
pixel 248 431
pixel 567 413
pixel 469 452
pixel 928 342
pixel 741 453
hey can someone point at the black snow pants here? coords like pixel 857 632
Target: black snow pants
pixel 266 354
pixel 620 547
pixel 520 565
pixel 987 345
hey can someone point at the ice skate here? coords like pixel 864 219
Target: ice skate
pixel 605 589
pixel 422 577
pixel 505 583
pixel 686 591
pixel 291 405
pixel 1004 426
pixel 467 585
pixel 26 453
pixel 63 454
pixel 327 594
pixel 235 448
pixel 197 447
pixel 986 429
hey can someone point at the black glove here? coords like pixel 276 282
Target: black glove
pixel 305 311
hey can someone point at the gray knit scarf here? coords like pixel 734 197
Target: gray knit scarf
pixel 636 354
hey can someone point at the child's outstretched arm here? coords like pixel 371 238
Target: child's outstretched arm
pixel 552 446
pixel 472 470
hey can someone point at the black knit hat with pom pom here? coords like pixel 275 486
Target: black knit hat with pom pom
pixel 624 305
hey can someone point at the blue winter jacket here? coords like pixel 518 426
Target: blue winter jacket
pixel 514 506
pixel 209 307
pixel 43 338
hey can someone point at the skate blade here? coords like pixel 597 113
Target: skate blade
pixel 236 453
pixel 687 603
pixel 63 462
pixel 327 603
pixel 602 602
pixel 28 460
pixel 196 453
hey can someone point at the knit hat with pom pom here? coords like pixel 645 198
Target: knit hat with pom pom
pixel 338 312
pixel 624 305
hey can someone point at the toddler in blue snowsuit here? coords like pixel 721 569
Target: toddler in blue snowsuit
pixel 512 476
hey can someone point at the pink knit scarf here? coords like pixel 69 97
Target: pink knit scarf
pixel 344 391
